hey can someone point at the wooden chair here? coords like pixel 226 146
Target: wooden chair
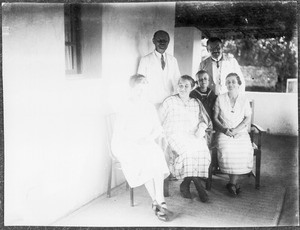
pixel 114 163
pixel 256 143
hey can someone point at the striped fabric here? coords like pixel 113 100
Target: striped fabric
pixel 181 121
pixel 235 154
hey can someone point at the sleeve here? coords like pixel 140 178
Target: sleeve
pixel 213 98
pixel 157 128
pixel 217 106
pixel 237 69
pixel 203 115
pixel 201 66
pixel 142 69
pixel 163 111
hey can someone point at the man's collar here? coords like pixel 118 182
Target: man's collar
pixel 219 58
pixel 157 54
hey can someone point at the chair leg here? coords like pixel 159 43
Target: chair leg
pixel 209 179
pixel 166 187
pixel 131 197
pixel 258 163
pixel 108 193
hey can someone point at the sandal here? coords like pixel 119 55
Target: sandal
pixel 154 206
pixel 231 189
pixel 159 212
pixel 164 209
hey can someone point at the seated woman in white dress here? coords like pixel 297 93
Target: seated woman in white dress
pixel 134 144
pixel 232 116
pixel 185 120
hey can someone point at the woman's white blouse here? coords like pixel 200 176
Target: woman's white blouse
pixel 232 116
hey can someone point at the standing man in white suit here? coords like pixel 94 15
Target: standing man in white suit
pixel 219 65
pixel 160 69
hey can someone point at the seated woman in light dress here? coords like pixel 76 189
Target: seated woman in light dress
pixel 185 120
pixel 134 144
pixel 232 116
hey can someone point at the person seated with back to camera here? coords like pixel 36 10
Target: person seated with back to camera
pixel 136 131
pixel 232 114
pixel 185 120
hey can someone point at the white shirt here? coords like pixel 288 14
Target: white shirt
pixel 227 64
pixel 162 82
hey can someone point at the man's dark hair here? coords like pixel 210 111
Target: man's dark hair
pixel 161 31
pixel 213 39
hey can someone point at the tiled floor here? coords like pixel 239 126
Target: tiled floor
pixel 279 175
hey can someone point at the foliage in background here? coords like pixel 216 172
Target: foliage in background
pixel 277 52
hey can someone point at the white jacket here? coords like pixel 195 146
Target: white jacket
pixel 162 83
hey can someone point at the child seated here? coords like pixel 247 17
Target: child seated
pixel 203 93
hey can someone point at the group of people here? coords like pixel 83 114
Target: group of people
pixel 163 128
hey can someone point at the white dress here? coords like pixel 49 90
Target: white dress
pixel 235 154
pixel 133 143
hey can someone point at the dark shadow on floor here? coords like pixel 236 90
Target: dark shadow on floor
pixel 280 168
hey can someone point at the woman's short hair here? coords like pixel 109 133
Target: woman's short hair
pixel 136 79
pixel 200 73
pixel 188 78
pixel 235 75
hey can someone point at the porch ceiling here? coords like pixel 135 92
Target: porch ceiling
pixel 239 19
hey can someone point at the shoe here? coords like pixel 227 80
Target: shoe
pixel 200 189
pixel 160 215
pixel 231 189
pixel 163 208
pixel 162 212
pixel 185 189
pixel 172 177
pixel 155 206
pixel 238 189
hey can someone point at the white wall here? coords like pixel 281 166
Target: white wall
pixel 277 113
pixel 55 151
pixel 188 49
pixel 128 30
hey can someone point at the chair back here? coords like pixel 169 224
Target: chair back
pixel 110 122
pixel 252 115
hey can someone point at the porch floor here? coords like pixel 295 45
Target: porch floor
pixel 276 203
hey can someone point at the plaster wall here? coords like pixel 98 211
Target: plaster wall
pixel 54 148
pixel 277 113
pixel 55 145
pixel 188 49
pixel 128 30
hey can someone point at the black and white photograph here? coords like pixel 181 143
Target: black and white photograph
pixel 149 114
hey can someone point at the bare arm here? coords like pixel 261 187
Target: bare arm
pixel 222 127
pixel 241 125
